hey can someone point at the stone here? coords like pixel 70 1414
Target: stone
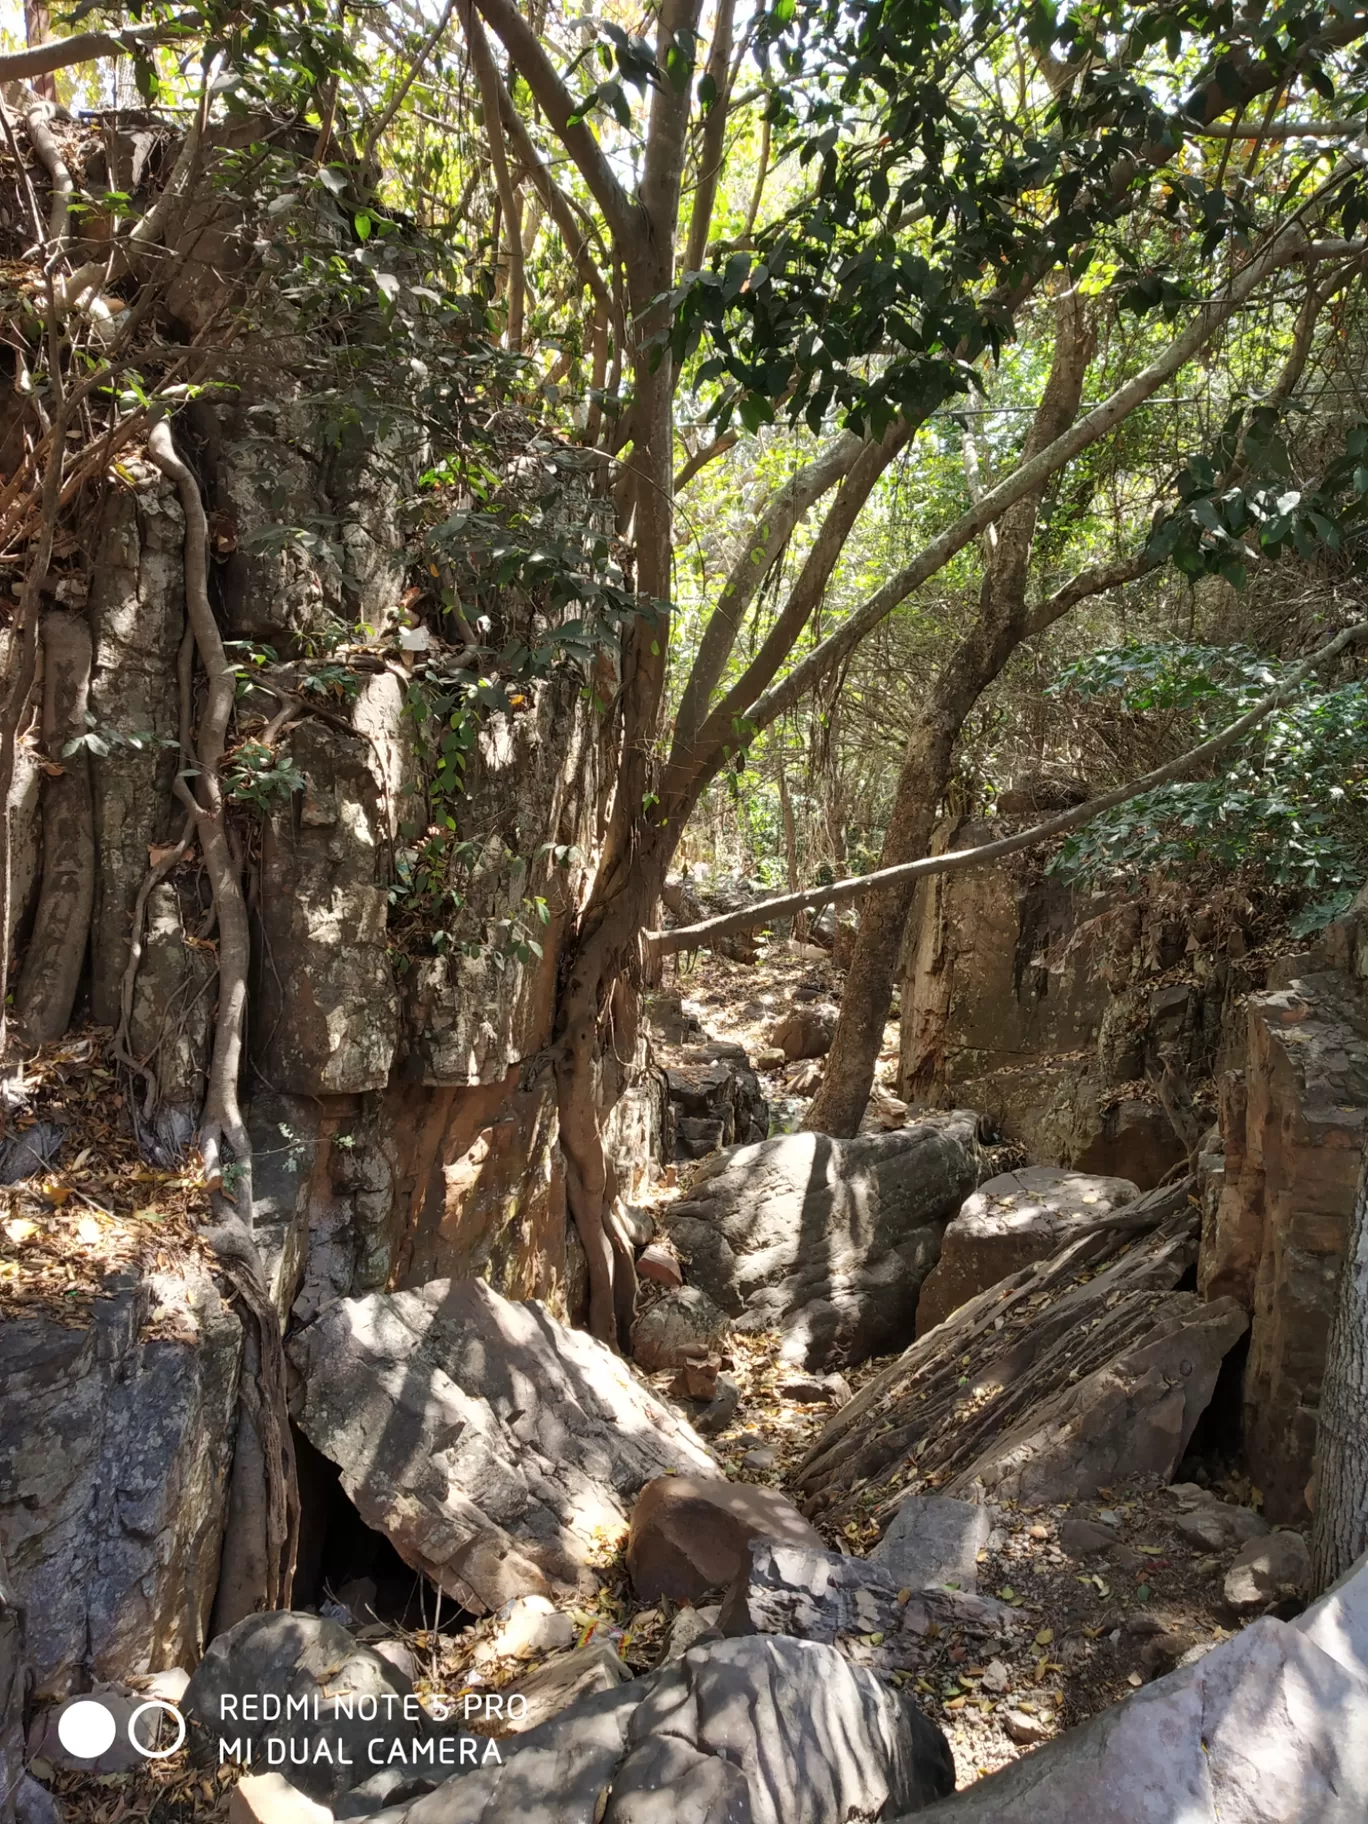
pixel 1010 1221
pixel 492 1445
pixel 675 1326
pixel 1337 1622
pixel 761 1460
pixel 1215 1526
pixel 815 1594
pixel 816 1389
pixel 825 1240
pixel 758 1731
pixel 116 1438
pixel 1293 1134
pixel 933 1539
pixel 383 1791
pixel 806 1032
pixel 658 1265
pixel 1265 1727
pixel 1268 1569
pixel 33 1803
pixel 44 1737
pixel 1025 1730
pixel 1131 1418
pixel 717 1102
pixel 996 1678
pixel 1085 1538
pixel 527 1625
pixel 269 1798
pixel 697 1380
pixel 563 1681
pixel 317 1663
pixel 13 1680
pixel 721 1409
pixel 689 1628
pixel 689 1534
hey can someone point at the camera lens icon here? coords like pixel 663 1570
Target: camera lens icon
pixel 88 1728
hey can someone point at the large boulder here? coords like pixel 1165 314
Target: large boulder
pixel 116 1438
pixel 758 1731
pixel 492 1445
pixel 689 1534
pixel 1266 1728
pixel 682 1324
pixel 1010 1221
pixel 333 1698
pixel 827 1240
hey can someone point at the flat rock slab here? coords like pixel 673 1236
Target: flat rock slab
pixel 563 1681
pixel 492 1445
pixel 826 1240
pixel 934 1539
pixel 1266 1728
pixel 758 1731
pixel 689 1534
pixel 818 1595
pixel 1010 1221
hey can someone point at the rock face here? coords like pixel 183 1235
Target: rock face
pixel 759 1731
pixel 1271 1725
pixel 689 1534
pixel 934 1539
pixel 1086 1368
pixel 1293 1132
pixel 115 1446
pixel 827 1240
pixel 1042 1006
pixel 1010 1221
pixel 316 1663
pixel 717 1102
pixel 487 1441
pixel 12 1682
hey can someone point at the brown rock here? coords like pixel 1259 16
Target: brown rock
pixel 689 1533
pixel 697 1380
pixel 1084 1538
pixel 1009 1222
pixel 1293 1141
pixel 807 1032
pixel 682 1325
pixel 660 1266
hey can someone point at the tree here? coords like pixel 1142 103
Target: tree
pixel 1339 1531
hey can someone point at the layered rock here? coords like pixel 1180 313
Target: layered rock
pixel 116 1441
pixel 1294 1132
pixel 717 1102
pixel 826 1240
pixel 495 1447
pixel 757 1731
pixel 1010 1221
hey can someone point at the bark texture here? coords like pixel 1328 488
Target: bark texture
pixel 1340 1532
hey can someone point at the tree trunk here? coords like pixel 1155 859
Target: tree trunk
pixel 1340 1530
pixel 999 627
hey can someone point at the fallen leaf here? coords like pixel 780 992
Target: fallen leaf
pixel 1045 1636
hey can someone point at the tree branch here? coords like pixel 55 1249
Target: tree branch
pixel 86 47
pixel 841 892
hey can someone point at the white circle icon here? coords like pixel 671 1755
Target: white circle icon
pixel 157 1754
pixel 86 1729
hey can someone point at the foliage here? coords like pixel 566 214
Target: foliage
pixel 260 777
pixel 1290 804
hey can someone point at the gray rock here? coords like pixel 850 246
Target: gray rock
pixel 1130 1418
pixel 1268 1569
pixel 717 1102
pixel 934 1539
pixel 825 1596
pixel 12 1693
pixel 487 1441
pixel 390 1787
pixel 761 1731
pixel 1010 1221
pixel 1265 1728
pixel 1337 1622
pixel 720 1409
pixel 1215 1526
pixel 676 1326
pixel 1084 1538
pixel 34 1804
pixel 690 1628
pixel 115 1448
pixel 316 1663
pixel 826 1240
pixel 1024 1729
pixel 563 1681
pixel 816 1389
